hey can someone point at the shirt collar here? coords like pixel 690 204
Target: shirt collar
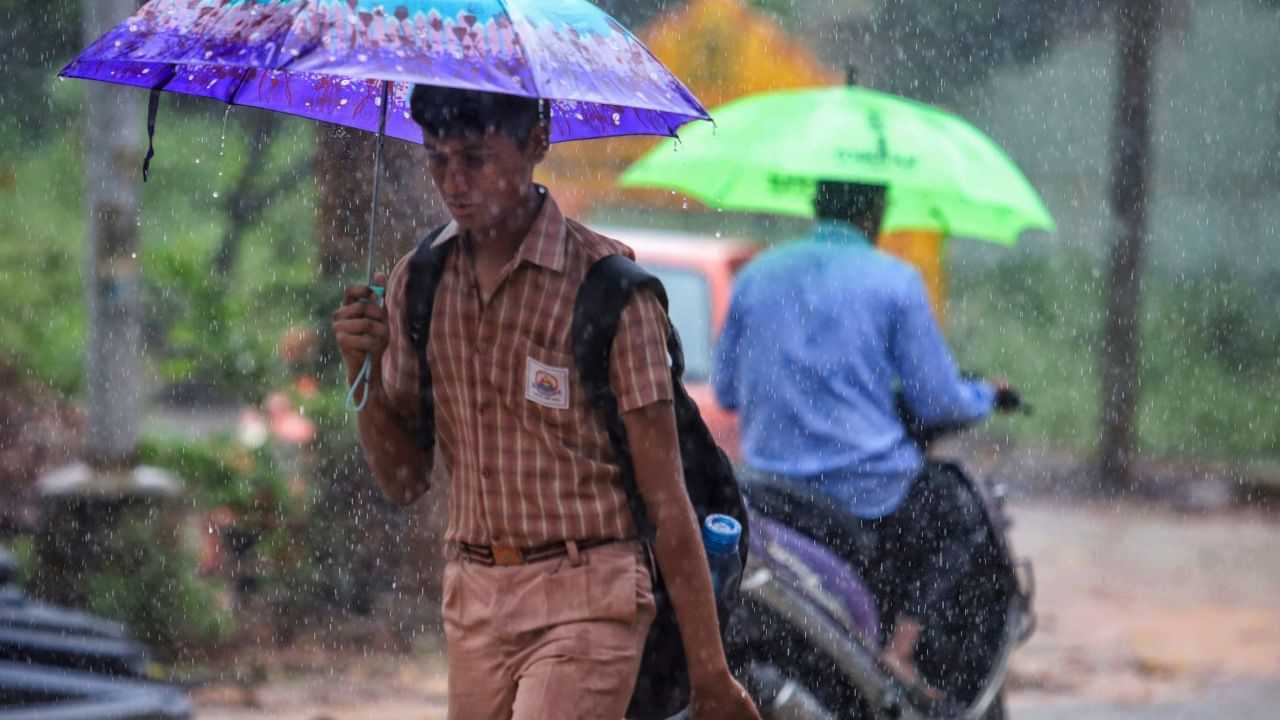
pixel 835 232
pixel 544 244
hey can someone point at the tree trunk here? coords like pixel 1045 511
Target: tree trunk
pixel 113 157
pixel 1138 36
pixel 408 206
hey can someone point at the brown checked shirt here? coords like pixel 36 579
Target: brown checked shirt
pixel 529 461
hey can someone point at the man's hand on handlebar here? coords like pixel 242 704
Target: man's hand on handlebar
pixel 1008 400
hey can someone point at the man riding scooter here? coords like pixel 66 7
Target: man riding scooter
pixel 825 340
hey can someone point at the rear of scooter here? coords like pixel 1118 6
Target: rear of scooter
pixel 806 640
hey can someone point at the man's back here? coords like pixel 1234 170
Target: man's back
pixel 820 334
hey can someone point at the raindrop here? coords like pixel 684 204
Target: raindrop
pixel 222 149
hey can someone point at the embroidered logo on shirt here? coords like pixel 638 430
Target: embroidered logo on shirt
pixel 548 386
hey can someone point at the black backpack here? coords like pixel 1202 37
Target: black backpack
pixel 662 687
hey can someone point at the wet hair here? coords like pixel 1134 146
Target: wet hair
pixel 444 112
pixel 857 203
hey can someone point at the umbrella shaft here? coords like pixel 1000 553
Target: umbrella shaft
pixel 377 173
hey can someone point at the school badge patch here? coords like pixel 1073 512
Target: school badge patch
pixel 545 385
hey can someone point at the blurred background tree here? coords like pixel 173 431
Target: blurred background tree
pixel 935 51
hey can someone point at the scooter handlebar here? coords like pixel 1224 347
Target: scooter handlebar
pixel 1008 400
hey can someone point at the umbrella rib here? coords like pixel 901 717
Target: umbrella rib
pixel 519 40
pixel 240 82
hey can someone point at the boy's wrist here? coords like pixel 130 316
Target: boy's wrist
pixel 708 672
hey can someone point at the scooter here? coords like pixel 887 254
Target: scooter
pixel 806 637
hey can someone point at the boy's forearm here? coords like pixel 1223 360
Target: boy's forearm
pixel 680 555
pixel 651 432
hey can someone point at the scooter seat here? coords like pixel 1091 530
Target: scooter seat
pixel 808 511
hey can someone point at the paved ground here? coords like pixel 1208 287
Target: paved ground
pixel 1143 614
pixel 1150 614
pixel 1236 701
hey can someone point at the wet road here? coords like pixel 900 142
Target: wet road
pixel 1142 610
pixel 1144 614
pixel 1249 701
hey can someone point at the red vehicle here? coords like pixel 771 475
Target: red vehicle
pixel 697 271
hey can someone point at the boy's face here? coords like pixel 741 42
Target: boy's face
pixel 484 179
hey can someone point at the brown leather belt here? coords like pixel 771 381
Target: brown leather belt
pixel 510 555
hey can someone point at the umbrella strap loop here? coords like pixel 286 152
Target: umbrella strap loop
pixel 361 381
pixel 153 109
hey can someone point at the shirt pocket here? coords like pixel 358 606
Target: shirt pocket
pixel 539 387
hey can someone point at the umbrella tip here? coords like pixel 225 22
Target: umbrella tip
pixel 851 75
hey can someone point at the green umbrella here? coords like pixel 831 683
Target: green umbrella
pixel 766 153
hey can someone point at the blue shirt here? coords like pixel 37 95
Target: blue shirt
pixel 819 334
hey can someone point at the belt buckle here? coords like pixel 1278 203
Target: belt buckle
pixel 507 555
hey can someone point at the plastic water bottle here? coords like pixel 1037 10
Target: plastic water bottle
pixel 720 536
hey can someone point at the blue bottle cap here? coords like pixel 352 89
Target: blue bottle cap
pixel 720 534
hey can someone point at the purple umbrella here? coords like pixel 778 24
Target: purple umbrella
pixel 330 60
pixel 355 62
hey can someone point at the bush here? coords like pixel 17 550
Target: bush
pixel 1034 314
pixel 223 473
pixel 150 584
pixel 218 331
pixel 1033 318
pixel 356 538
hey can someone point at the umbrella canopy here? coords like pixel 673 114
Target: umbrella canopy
pixel 767 152
pixel 355 62
pixel 327 60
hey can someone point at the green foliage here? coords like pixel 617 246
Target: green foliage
pixel 23 550
pixel 221 472
pixel 35 38
pixel 262 526
pixel 223 330
pixel 1035 314
pixel 215 330
pixel 149 583
pixel 782 9
pixel 1211 371
pixel 1033 318
pixel 40 260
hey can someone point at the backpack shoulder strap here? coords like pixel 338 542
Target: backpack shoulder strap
pixel 425 269
pixel 597 312
pixel 609 284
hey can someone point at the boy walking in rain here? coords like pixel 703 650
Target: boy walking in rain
pixel 547 593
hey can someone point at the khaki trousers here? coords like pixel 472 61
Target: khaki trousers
pixel 559 639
